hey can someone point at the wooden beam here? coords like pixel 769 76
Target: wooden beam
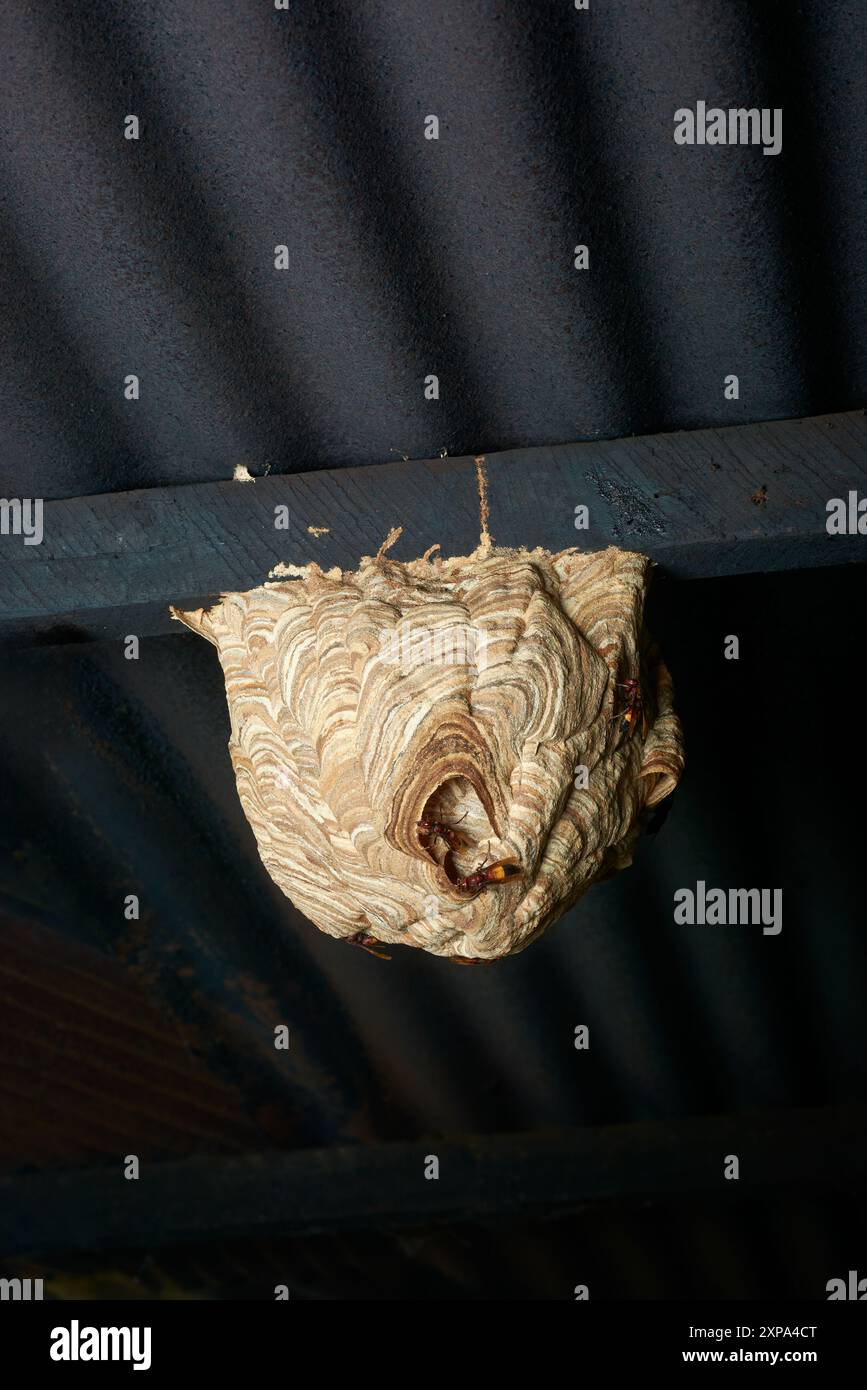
pixel 383 1186
pixel 703 503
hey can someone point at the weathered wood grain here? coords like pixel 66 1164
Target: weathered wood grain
pixel 704 503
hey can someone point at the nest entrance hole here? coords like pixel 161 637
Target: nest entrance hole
pixel 456 804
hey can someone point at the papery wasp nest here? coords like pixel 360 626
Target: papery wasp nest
pixel 446 753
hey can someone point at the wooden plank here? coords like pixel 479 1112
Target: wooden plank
pixel 383 1187
pixel 702 503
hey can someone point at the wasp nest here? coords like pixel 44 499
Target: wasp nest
pixel 446 753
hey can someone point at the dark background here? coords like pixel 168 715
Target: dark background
pixel 409 257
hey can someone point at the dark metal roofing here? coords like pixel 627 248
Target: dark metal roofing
pixel 305 127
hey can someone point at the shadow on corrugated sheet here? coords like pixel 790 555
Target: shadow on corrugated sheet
pixel 410 257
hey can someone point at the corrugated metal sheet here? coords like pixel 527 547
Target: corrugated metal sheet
pixel 305 128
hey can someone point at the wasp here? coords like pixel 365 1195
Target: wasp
pixel 500 872
pixel 437 829
pixel 367 943
pixel 634 713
